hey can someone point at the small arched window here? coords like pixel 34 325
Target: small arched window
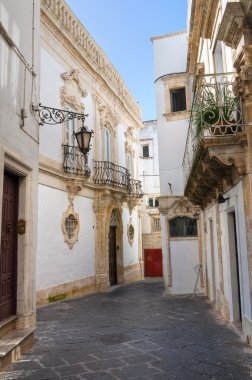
pixel 183 226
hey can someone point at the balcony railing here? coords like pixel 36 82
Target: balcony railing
pixel 135 188
pixel 105 173
pixel 108 173
pixel 216 114
pixel 73 160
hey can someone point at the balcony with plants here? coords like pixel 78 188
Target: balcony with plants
pixel 215 152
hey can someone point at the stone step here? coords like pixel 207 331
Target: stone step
pixel 7 325
pixel 14 344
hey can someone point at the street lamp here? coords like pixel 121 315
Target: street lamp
pixel 53 116
pixel 83 137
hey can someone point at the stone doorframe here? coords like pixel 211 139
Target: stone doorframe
pixel 103 209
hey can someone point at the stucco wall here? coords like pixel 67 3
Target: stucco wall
pixel 56 263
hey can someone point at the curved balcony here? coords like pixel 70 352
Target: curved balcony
pixel 73 161
pixel 216 140
pixel 105 173
pixel 109 174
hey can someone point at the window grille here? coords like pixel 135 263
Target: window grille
pixel 178 99
pixel 71 224
pixel 183 227
pixel 156 225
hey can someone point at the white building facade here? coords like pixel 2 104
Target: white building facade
pixel 149 174
pixel 89 223
pixel 19 142
pixel 181 242
pixel 216 160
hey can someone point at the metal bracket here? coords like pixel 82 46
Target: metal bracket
pixel 53 116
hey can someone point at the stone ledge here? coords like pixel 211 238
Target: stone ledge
pixel 14 344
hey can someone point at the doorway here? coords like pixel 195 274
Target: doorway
pixel 213 296
pixel 153 263
pixel 112 256
pixel 8 258
pixel 234 267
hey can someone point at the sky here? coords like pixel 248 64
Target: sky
pixel 122 28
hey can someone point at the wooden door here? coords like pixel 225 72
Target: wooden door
pixel 153 263
pixel 8 258
pixel 112 256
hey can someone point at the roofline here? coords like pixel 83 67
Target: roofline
pixel 167 35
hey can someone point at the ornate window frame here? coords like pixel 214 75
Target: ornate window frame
pixel 131 232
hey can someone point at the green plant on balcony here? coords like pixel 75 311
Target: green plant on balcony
pixel 215 109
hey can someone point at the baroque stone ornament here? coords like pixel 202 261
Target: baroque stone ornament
pixel 172 206
pixel 72 91
pixel 70 220
pixel 108 119
pixel 131 138
pixel 130 232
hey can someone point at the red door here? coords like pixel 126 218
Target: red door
pixel 153 263
pixel 8 258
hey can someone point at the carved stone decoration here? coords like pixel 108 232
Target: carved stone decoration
pixel 130 232
pixel 231 27
pixel 108 119
pixel 131 138
pixel 70 220
pixel 132 203
pixel 173 206
pixel 72 91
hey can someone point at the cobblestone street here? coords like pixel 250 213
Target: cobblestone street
pixel 133 332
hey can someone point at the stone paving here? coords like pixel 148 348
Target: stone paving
pixel 133 332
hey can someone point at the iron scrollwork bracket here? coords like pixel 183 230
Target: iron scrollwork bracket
pixel 53 116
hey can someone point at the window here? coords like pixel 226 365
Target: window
pixel 107 145
pixel 153 202
pixel 71 128
pixel 156 224
pixel 183 227
pixel 178 99
pixel 146 151
pixel 130 165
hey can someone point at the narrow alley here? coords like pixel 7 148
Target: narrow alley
pixel 133 332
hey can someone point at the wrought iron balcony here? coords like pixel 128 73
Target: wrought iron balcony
pixel 107 173
pixel 110 174
pixel 135 188
pixel 216 119
pixel 73 162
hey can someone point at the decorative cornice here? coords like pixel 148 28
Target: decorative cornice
pixel 203 13
pixel 231 27
pixel 57 16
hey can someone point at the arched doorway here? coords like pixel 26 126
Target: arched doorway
pixel 115 248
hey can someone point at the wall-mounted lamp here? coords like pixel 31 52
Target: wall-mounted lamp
pixel 53 116
pixel 221 199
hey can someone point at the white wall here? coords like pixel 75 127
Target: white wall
pixel 130 254
pixel 56 263
pixel 184 258
pixel 171 140
pixel 165 61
